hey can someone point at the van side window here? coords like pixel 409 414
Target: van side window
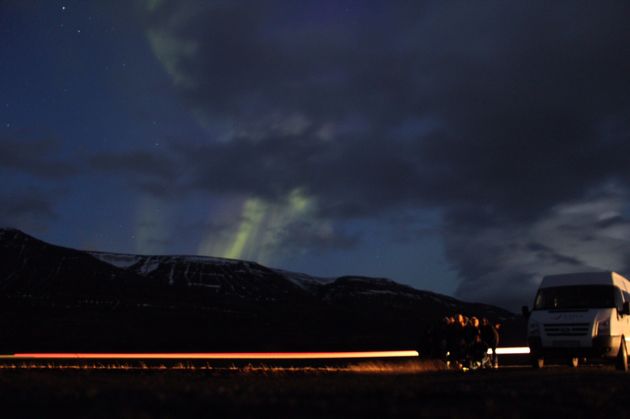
pixel 618 299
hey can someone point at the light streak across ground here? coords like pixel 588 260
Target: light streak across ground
pixel 516 350
pixel 218 355
pixel 245 355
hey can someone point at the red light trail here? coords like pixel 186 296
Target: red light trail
pixel 218 355
pixel 243 355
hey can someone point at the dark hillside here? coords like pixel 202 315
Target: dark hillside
pixel 59 299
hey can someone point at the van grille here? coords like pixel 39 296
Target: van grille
pixel 567 329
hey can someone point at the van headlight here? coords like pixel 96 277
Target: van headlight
pixel 602 327
pixel 533 328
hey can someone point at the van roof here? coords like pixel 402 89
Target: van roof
pixel 584 278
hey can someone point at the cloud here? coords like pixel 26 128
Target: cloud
pixel 32 171
pixel 505 263
pixel 34 157
pixel 513 112
pixel 28 209
pixel 155 174
pixel 136 162
pixel 499 115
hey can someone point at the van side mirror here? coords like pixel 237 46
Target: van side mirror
pixel 525 311
pixel 626 307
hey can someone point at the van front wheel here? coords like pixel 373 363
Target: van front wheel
pixel 622 356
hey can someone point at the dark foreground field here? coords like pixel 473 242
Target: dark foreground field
pixel 368 390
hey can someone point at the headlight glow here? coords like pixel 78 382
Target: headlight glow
pixel 602 327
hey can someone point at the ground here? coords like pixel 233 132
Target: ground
pixel 368 390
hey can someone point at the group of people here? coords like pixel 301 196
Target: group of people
pixel 463 342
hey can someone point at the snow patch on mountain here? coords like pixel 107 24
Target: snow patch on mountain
pixel 118 260
pixel 304 281
pixel 145 265
pixel 122 260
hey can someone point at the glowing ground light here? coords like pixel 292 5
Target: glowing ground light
pixel 516 350
pixel 217 355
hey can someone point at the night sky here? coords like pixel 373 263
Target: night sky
pixel 462 147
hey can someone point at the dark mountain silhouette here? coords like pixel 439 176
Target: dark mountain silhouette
pixel 60 299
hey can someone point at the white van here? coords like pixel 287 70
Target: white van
pixel 584 315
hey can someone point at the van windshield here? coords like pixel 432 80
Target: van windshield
pixel 575 296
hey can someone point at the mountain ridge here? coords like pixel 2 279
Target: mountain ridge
pixel 121 301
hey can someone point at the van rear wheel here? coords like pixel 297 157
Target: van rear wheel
pixel 622 356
